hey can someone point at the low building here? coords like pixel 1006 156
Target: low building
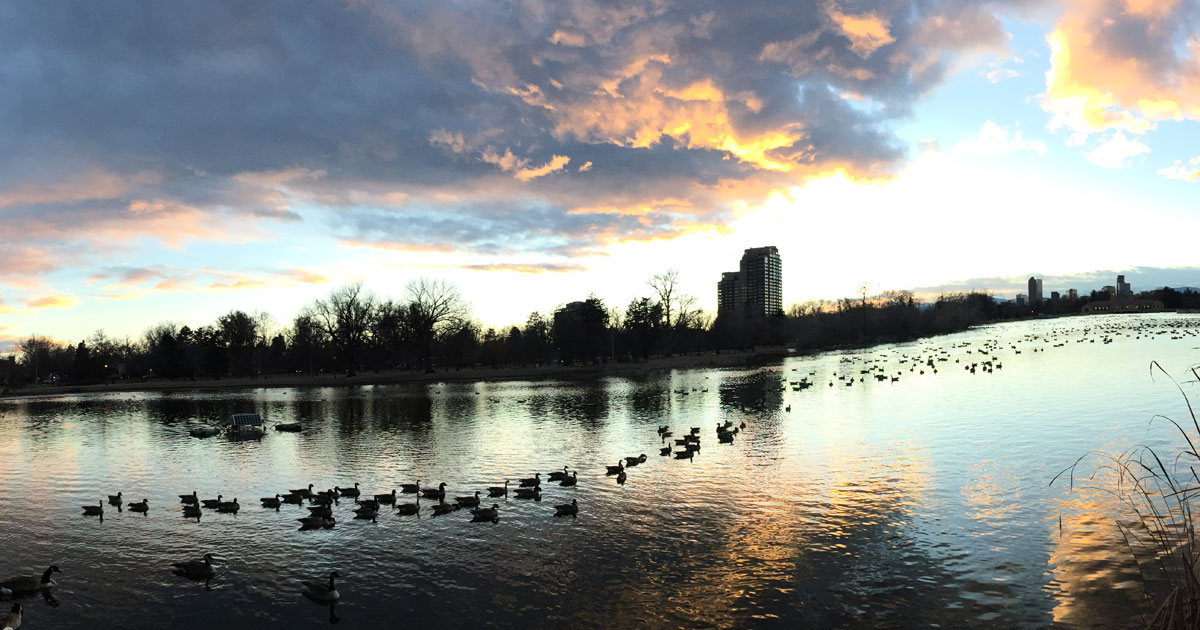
pixel 1122 306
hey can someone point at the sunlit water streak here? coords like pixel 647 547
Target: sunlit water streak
pixel 890 504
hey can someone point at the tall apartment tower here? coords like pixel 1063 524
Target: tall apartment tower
pixel 755 289
pixel 1123 288
pixel 1035 290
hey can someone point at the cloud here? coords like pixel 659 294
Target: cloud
pixel 1116 151
pixel 52 301
pixel 995 140
pixel 556 163
pixel 1189 172
pixel 533 268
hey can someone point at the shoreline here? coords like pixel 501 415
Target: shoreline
pixel 396 377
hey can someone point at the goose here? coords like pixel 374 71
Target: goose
pixel 229 507
pixel 12 620
pixel 558 476
pixel 468 501
pixel 366 514
pixel 410 488
pixel 695 430
pixel 532 482
pixel 114 499
pixel 567 509
pixel 188 499
pixel 94 510
pixel 386 499
pixel 570 481
pixel 612 470
pixel 348 492
pixel 271 502
pixel 323 498
pixel 316 522
pixel 499 491
pixel 212 504
pixel 667 434
pixel 304 492
pixel 681 442
pixel 443 508
pixel 196 569
pixel 621 477
pixel 321 592
pixel 408 509
pixel 666 450
pixel 322 511
pixel 22 584
pixel 370 504
pixel 634 461
pixel 293 498
pixel 662 429
pixel 685 454
pixel 430 493
pixel 529 493
pixel 482 515
pixel 142 507
pixel 192 511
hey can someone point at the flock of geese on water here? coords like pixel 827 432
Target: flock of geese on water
pixel 320 506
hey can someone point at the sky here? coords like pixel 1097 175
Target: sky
pixel 165 162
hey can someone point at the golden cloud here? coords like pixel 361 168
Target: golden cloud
pixel 867 32
pixel 53 301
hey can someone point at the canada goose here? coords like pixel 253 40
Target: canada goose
pixel 532 482
pixel 229 507
pixel 212 503
pixel 366 514
pixel 685 454
pixel 188 499
pixel 567 509
pixel 695 430
pixel 481 515
pixel 22 584
pixel 386 499
pixel 114 499
pixel 321 592
pixel 94 510
pixel 192 511
pixel 662 429
pixel 370 504
pixel 529 493
pixel 499 491
pixel 196 569
pixel 666 450
pixel 304 492
pixel 666 434
pixel 322 511
pixel 271 502
pixel 326 497
pixel 468 501
pixel 317 522
pixel 558 475
pixel 570 481
pixel 634 461
pixel 612 470
pixel 430 493
pixel 410 488
pixel 408 509
pixel 142 507
pixel 12 620
pixel 443 508
pixel 621 476
pixel 293 498
pixel 348 492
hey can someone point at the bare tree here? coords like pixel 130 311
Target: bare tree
pixel 35 350
pixel 664 285
pixel 345 317
pixel 434 306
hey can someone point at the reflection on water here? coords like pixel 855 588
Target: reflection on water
pixel 857 501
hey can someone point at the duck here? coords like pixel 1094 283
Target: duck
pixel 386 499
pixel 408 509
pixel 634 461
pixel 271 502
pixel 12 620
pixel 430 493
pixel 498 491
pixel 348 492
pixel 22 584
pixel 529 493
pixel 443 508
pixel 532 482
pixel 468 501
pixel 612 470
pixel 322 592
pixel 410 488
pixel 229 507
pixel 188 499
pixel 570 481
pixel 482 515
pixel 621 476
pixel 567 509
pixel 94 510
pixel 197 569
pixel 317 522
pixel 212 503
pixel 142 507
pixel 114 499
pixel 304 492
pixel 558 475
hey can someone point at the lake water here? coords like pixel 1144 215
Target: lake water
pixel 923 501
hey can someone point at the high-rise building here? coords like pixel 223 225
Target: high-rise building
pixel 755 289
pixel 1035 290
pixel 1072 294
pixel 1123 288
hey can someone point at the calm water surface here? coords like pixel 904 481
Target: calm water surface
pixel 923 501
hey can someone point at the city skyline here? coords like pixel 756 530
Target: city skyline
pixel 174 166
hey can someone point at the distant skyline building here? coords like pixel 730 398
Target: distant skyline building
pixel 1072 294
pixel 755 289
pixel 1124 291
pixel 1035 290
